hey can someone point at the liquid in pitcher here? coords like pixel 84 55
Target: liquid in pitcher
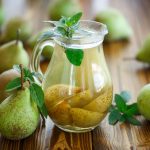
pixel 78 97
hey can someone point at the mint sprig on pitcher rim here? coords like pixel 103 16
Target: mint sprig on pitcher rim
pixel 27 78
pixel 66 27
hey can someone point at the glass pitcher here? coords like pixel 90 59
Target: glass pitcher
pixel 77 97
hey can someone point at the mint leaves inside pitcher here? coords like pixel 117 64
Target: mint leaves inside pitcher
pixel 66 27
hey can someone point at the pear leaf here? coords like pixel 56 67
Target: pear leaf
pixel 13 85
pixel 37 95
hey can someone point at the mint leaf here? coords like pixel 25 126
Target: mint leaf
pixel 61 30
pixel 63 20
pixel 38 96
pixel 13 85
pixel 123 112
pixel 74 19
pixel 111 108
pixel 114 116
pixel 120 103
pixel 132 110
pixel 122 118
pixel 125 95
pixel 75 56
pixel 133 121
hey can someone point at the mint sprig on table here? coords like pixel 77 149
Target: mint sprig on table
pixel 36 92
pixel 121 111
pixel 66 27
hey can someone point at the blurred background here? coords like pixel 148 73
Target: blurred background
pixel 126 47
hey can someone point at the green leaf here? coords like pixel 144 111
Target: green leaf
pixel 43 110
pixel 120 103
pixel 74 19
pixel 61 30
pixel 114 116
pixel 75 56
pixel 46 35
pixel 27 74
pixel 13 85
pixel 122 118
pixel 38 96
pixel 63 20
pixel 132 110
pixel 126 95
pixel 112 107
pixel 134 121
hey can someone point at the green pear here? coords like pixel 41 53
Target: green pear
pixel 6 77
pixel 59 8
pixel 12 53
pixel 19 115
pixel 144 53
pixel 143 101
pixel 118 27
pixel 11 28
pixel 47 51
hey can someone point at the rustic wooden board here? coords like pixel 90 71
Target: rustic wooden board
pixel 127 74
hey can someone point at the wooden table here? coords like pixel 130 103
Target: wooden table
pixel 127 74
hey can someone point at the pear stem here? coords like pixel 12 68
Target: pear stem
pixel 21 68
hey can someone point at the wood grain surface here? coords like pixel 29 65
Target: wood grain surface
pixel 126 72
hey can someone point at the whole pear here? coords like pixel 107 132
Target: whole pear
pixel 118 27
pixel 12 53
pixel 144 53
pixel 143 101
pixel 6 77
pixel 59 8
pixel 19 115
pixel 13 25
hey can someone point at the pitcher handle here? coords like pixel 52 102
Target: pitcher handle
pixel 35 59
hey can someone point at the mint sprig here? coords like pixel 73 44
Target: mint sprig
pixel 66 27
pixel 36 92
pixel 123 112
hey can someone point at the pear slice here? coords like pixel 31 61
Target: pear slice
pixel 61 113
pixel 80 99
pixel 57 93
pixel 84 118
pixel 101 103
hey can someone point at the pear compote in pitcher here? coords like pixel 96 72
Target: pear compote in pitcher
pixel 77 84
